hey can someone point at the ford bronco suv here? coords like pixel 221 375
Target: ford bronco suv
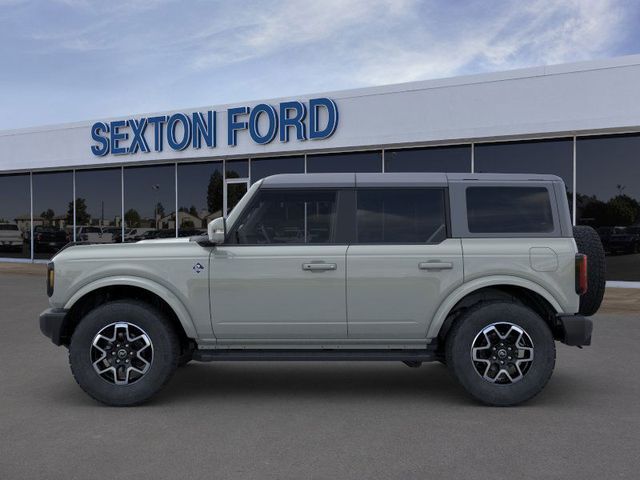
pixel 481 272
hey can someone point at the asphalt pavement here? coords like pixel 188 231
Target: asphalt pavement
pixel 314 420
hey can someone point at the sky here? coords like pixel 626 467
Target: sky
pixel 74 60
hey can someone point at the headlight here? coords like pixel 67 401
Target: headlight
pixel 51 277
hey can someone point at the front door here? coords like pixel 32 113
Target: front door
pixel 281 274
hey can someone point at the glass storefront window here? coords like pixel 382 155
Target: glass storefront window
pixel 98 206
pixel 15 216
pixel 345 162
pixel 149 202
pixel 52 212
pixel 608 199
pixel 455 158
pixel 200 191
pixel 263 167
pixel 237 168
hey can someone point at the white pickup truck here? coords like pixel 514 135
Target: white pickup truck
pixel 10 237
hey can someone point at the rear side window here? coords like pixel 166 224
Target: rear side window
pixel 401 215
pixel 288 217
pixel 509 210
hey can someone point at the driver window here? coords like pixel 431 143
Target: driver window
pixel 289 217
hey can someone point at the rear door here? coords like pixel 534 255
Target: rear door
pixel 402 263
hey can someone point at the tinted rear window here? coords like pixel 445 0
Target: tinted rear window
pixel 8 227
pixel 509 210
pixel 397 215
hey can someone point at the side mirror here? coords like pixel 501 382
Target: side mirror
pixel 217 231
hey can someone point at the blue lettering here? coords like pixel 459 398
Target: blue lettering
pixel 139 142
pixel 117 136
pixel 172 123
pixel 315 119
pixel 204 129
pixel 103 148
pixel 332 121
pixel 157 123
pixel 296 121
pixel 272 119
pixel 233 125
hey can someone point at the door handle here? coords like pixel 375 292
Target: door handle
pixel 435 265
pixel 319 267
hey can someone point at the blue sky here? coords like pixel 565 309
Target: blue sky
pixel 71 60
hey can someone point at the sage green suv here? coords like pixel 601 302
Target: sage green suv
pixel 480 272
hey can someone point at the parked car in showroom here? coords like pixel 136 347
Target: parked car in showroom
pixel 482 272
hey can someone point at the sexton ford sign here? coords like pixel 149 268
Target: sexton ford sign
pixel 312 120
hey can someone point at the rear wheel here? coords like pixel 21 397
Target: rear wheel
pixel 502 353
pixel 123 352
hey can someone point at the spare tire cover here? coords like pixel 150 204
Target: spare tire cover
pixel 588 242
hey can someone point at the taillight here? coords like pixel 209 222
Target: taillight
pixel 39 237
pixel 51 277
pixel 581 274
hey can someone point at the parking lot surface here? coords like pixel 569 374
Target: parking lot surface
pixel 314 420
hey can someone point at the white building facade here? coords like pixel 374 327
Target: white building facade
pixel 122 179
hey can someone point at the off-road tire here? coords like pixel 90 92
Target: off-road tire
pixel 166 352
pixel 458 351
pixel 588 242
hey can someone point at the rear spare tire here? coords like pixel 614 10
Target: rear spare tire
pixel 588 242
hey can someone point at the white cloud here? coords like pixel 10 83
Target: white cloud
pixel 291 23
pixel 164 54
pixel 539 32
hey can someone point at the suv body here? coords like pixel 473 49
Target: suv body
pixel 343 266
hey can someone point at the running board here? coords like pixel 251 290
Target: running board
pixel 301 355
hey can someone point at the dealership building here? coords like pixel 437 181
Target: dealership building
pixel 167 174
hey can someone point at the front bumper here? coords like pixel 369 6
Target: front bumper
pixel 52 324
pixel 575 330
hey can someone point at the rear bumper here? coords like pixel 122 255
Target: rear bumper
pixel 575 330
pixel 52 322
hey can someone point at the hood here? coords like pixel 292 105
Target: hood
pixel 142 249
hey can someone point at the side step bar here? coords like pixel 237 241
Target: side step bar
pixel 300 355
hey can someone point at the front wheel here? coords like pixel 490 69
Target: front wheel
pixel 502 353
pixel 123 352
